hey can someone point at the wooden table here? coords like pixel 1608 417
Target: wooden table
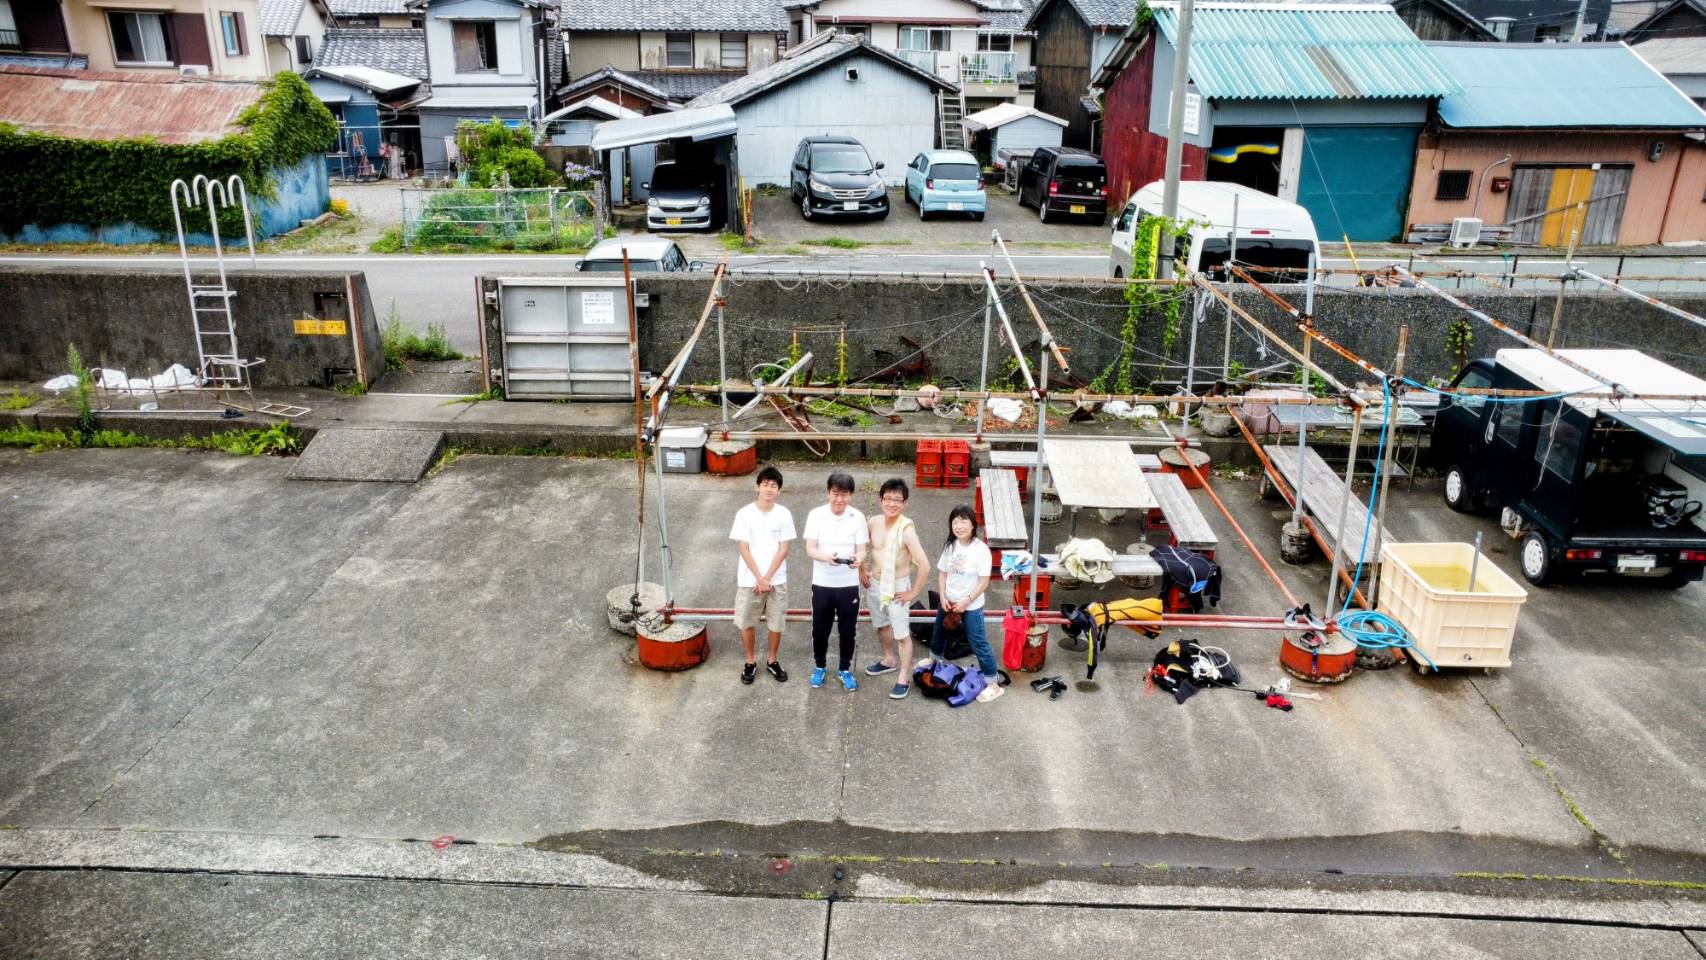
pixel 1028 458
pixel 1096 473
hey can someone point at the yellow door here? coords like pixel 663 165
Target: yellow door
pixel 1570 186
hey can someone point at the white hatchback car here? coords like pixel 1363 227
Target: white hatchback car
pixel 645 255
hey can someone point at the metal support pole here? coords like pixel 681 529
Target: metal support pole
pixel 1175 141
pixel 983 367
pixel 663 532
pixel 639 420
pixel 1386 455
pixel 1197 304
pixel 1226 348
pixel 1037 479
pixel 1563 281
pixel 722 362
pixel 1344 508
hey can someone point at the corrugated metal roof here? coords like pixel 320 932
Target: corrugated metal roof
pixel 699 123
pixel 103 105
pixel 1515 85
pixel 1246 51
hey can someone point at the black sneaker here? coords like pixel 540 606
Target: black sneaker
pixel 748 672
pixel 776 671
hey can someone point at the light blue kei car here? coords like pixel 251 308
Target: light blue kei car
pixel 946 181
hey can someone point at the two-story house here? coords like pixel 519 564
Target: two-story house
pixel 679 49
pixel 293 30
pixel 219 37
pixel 981 46
pixel 486 59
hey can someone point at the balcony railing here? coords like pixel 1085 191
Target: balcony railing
pixel 922 59
pixel 988 67
pixel 9 39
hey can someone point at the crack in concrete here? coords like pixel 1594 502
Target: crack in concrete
pixel 1570 804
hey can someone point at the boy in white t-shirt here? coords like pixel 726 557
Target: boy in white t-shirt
pixel 764 529
pixel 836 537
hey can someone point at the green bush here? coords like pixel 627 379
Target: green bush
pixel 492 150
pixel 53 179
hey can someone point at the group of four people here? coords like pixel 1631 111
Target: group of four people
pixel 883 555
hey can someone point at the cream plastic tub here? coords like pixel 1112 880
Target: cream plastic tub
pixel 1425 587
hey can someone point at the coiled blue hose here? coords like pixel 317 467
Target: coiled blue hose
pixel 1371 629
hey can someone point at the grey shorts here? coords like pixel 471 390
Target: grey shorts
pixel 751 608
pixel 896 614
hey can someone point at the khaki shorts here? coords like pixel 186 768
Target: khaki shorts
pixel 751 608
pixel 896 614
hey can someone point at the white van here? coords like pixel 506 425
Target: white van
pixel 1271 232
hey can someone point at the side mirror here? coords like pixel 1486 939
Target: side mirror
pixel 879 165
pixel 695 265
pixel 580 266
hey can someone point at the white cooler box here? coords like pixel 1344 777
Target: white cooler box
pixel 682 449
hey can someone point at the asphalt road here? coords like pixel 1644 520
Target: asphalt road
pixel 440 289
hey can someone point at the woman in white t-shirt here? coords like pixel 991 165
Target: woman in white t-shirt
pixel 962 578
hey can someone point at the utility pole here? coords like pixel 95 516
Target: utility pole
pixel 1175 142
pixel 1581 15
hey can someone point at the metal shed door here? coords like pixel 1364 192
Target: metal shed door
pixel 565 339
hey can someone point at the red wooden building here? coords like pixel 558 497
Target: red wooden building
pixel 1135 156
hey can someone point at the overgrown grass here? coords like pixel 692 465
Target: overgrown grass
pixel 403 344
pixel 391 241
pixel 354 388
pixel 277 440
pixel 848 243
pixel 736 241
pixel 494 393
pixel 18 400
pixel 797 251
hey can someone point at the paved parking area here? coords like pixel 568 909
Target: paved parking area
pixel 777 221
pixel 198 648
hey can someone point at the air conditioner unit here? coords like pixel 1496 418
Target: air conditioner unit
pixel 1465 232
pixel 192 70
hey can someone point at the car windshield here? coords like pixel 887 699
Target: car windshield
pixel 669 176
pixel 1292 254
pixel 615 266
pixel 845 158
pixel 954 171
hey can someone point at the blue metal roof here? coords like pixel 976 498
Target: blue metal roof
pixel 1508 85
pixel 1328 51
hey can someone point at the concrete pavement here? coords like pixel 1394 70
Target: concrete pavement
pixel 210 666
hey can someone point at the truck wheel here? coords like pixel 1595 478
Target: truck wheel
pixel 1536 558
pixel 1459 495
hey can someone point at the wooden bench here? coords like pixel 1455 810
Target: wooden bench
pixel 1186 525
pixel 1125 565
pixel 1003 510
pixel 1323 494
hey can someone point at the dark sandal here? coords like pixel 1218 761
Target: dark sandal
pixel 1057 689
pixel 1044 683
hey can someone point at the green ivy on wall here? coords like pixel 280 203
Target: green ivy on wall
pixel 54 179
pixel 1142 299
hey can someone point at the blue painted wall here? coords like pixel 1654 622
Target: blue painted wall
pixel 303 194
pixel 1356 180
pixel 362 118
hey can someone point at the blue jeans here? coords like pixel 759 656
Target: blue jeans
pixel 972 620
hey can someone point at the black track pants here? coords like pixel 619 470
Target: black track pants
pixel 830 604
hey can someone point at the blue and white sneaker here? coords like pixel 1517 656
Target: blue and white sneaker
pixel 848 681
pixel 817 677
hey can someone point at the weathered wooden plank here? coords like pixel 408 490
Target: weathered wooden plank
pixel 1125 565
pixel 1185 519
pixel 1003 509
pixel 1095 473
pixel 1323 491
pixel 1028 458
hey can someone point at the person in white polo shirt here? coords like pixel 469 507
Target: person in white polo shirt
pixel 764 529
pixel 836 537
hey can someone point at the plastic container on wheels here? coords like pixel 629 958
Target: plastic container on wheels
pixel 1426 588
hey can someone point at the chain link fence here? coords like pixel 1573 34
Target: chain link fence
pixel 541 218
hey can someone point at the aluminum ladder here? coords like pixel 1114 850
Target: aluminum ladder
pixel 950 110
pixel 220 366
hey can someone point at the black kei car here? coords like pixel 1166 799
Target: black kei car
pixel 1065 182
pixel 1592 478
pixel 834 177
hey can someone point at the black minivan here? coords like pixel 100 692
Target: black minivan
pixel 1065 181
pixel 834 177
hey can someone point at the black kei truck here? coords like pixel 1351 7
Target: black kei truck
pixel 1611 483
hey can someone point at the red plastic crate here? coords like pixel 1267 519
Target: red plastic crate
pixel 929 463
pixel 1022 590
pixel 956 459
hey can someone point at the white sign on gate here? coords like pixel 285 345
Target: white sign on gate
pixel 598 308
